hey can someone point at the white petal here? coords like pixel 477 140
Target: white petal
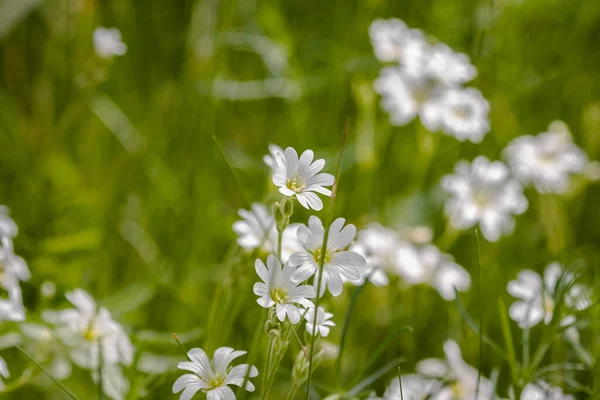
pixel 185 381
pixel 223 357
pixel 262 271
pixel 199 357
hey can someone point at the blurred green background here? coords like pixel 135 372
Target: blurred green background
pixel 112 174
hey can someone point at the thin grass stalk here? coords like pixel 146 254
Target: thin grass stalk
pixel 481 311
pixel 60 385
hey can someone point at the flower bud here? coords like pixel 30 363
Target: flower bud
pixel 281 220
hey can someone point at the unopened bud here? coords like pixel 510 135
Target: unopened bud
pixel 287 206
pixel 274 333
pixel 281 220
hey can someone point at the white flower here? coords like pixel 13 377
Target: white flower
pixel 414 387
pixel 271 158
pixel 483 192
pixel 280 291
pixel 448 66
pixel 392 38
pixel 3 373
pixel 323 322
pixel 107 42
pixel 300 178
pixel 407 93
pixel 212 377
pixel 537 297
pixel 543 391
pixel 545 161
pixel 464 114
pixel 87 328
pixel 257 229
pixel 8 227
pixel 461 376
pixel 338 263
pixel 427 264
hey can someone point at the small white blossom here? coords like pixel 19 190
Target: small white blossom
pixel 414 387
pixel 537 297
pixel 338 263
pixel 107 42
pixel 88 329
pixel 280 291
pixel 461 377
pixel 543 391
pixel 464 114
pixel 213 376
pixel 3 373
pixel 483 192
pixel 545 161
pixel 428 265
pixel 393 41
pixel 323 322
pixel 300 178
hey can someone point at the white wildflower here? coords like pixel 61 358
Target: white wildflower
pixel 537 297
pixel 213 376
pixel 543 391
pixel 545 161
pixel 47 349
pixel 464 114
pixel 337 262
pixel 300 178
pixel 107 42
pixel 323 322
pixel 280 291
pixel 483 192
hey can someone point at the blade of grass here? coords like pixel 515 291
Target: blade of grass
pixel 481 311
pixel 508 342
pixel 374 376
pixel 60 385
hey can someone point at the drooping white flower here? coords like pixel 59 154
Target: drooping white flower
pixel 271 158
pixel 545 161
pixel 301 178
pixel 461 377
pixel 257 229
pixel 337 262
pixel 3 373
pixel 414 387
pixel 543 391
pixel 464 114
pixel 107 42
pixel 448 66
pixel 392 40
pixel 280 291
pixel 89 331
pixel 213 376
pixel 323 322
pixel 537 297
pixel 483 192
pixel 428 265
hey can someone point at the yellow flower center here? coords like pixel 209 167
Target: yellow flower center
pixel 279 295
pixel 296 184
pixel 548 303
pixel 317 255
pixel 90 334
pixel 458 390
pixel 481 199
pixel 216 382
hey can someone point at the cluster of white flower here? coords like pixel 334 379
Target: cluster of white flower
pixel 416 263
pixel 427 82
pixel 107 43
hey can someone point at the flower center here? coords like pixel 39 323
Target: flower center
pixel 481 199
pixel 279 295
pixel 216 382
pixel 90 334
pixel 548 303
pixel 462 111
pixel 459 390
pixel 296 184
pixel 317 255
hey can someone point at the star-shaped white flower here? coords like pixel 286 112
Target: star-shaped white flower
pixel 323 323
pixel 338 262
pixel 537 297
pixel 464 114
pixel 483 192
pixel 213 377
pixel 300 178
pixel 280 291
pixel 428 265
pixel 107 42
pixel 545 161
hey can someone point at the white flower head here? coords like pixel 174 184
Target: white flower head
pixel 338 262
pixel 463 379
pixel 107 42
pixel 271 159
pixel 323 323
pixel 301 178
pixel 213 376
pixel 393 41
pixel 280 291
pixel 448 66
pixel 545 161
pixel 89 332
pixel 483 192
pixel 537 297
pixel 464 114
pixel 428 265
pixel 543 391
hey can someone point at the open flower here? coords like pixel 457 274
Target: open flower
pixel 107 42
pixel 464 114
pixel 338 263
pixel 483 192
pixel 462 379
pixel 537 298
pixel 323 322
pixel 213 377
pixel 300 178
pixel 545 161
pixel 430 266
pixel 543 391
pixel 280 291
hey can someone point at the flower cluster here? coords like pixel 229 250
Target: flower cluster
pixel 426 81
